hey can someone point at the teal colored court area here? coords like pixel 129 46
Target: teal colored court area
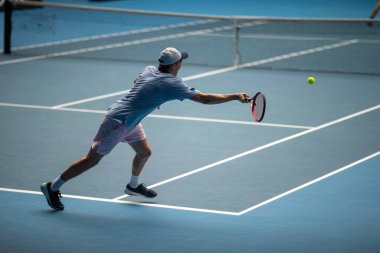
pixel 305 179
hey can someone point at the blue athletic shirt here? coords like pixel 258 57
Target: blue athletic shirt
pixel 152 88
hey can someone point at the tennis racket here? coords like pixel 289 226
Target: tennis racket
pixel 257 104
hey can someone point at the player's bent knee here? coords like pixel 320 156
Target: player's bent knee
pixel 91 161
pixel 94 162
pixel 145 154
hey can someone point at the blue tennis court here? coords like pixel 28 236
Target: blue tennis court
pixel 305 179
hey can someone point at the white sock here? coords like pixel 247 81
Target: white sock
pixel 134 181
pixel 56 184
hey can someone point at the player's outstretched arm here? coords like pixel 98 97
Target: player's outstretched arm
pixel 209 98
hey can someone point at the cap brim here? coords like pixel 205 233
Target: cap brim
pixel 184 55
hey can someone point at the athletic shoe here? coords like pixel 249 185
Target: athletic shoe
pixel 140 190
pixel 52 197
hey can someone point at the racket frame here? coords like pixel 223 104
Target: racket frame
pixel 252 103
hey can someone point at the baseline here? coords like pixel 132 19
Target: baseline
pixel 118 201
pixel 125 202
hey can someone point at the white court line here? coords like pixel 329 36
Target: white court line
pixel 309 183
pixel 224 70
pixel 126 33
pixel 272 37
pixel 228 121
pixel 113 35
pixel 159 116
pixel 116 200
pixel 123 44
pixel 91 99
pixel 126 202
pixel 231 158
pixel 273 59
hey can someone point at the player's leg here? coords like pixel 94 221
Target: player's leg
pixel 82 165
pixel 51 189
pixel 109 135
pixel 137 140
pixel 374 12
pixel 143 152
pixel 375 9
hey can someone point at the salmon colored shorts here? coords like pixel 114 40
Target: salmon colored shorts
pixel 111 132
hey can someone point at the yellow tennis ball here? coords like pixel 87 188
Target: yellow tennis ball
pixel 311 80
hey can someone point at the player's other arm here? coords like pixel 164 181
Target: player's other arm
pixel 209 98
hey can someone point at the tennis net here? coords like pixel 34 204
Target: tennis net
pixel 88 32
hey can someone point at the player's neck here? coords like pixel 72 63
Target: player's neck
pixel 174 72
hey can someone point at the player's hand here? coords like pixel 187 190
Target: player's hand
pixel 243 97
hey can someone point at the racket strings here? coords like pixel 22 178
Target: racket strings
pixel 257 105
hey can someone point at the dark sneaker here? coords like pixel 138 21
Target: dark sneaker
pixel 52 197
pixel 140 190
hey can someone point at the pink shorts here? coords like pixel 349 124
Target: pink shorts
pixel 111 132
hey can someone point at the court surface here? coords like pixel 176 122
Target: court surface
pixel 303 180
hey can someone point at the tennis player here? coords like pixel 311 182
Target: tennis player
pixel 153 87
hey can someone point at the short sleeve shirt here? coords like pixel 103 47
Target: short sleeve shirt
pixel 152 88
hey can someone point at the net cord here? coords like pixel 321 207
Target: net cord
pixel 184 15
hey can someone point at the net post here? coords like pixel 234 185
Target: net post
pixel 7 26
pixel 236 43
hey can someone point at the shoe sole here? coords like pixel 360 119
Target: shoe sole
pixel 45 191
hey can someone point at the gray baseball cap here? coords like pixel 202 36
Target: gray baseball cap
pixel 171 55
